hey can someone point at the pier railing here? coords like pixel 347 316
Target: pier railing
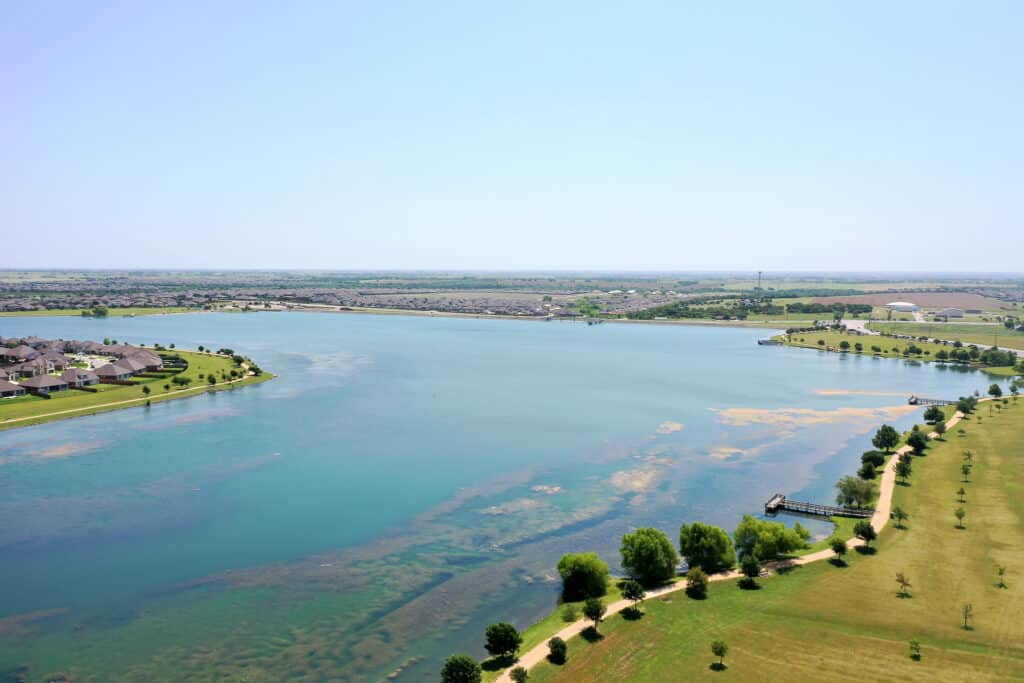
pixel 780 502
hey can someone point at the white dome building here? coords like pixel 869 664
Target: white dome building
pixel 902 306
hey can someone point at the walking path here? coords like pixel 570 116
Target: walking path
pixel 881 517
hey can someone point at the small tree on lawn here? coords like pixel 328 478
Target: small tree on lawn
pixel 838 546
pixel 915 650
pixel 933 414
pixel 594 609
pixel 969 456
pixel 940 429
pixel 886 438
pixel 570 613
pixel 519 675
pixel 960 514
pixel 904 584
pixel 632 590
pixel 864 531
pixel 918 441
pixel 557 650
pixel 965 469
pixel 961 493
pixel 502 640
pixel 146 390
pixel 1001 575
pixel 899 514
pixel 751 569
pixel 696 583
pixel 995 391
pixel 903 469
pixel 967 612
pixel 720 649
pixel 460 669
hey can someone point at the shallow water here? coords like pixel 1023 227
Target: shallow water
pixel 403 482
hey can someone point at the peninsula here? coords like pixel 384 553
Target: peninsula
pixel 42 380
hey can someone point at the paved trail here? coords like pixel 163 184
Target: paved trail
pixel 881 517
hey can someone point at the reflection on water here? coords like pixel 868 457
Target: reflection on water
pixel 404 482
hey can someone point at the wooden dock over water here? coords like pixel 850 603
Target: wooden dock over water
pixel 922 401
pixel 779 502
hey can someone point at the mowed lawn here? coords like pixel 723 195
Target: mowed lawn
pixel 984 336
pixel 823 622
pixel 200 367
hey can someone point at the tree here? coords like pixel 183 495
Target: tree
pixel 960 492
pixel 960 514
pixel 844 345
pixel 146 390
pixel 967 611
pixel 873 458
pixel 502 640
pixel 940 429
pixel 903 469
pixel 886 438
pixel 933 414
pixel 965 469
pixel 838 546
pixel 697 583
pixel 918 441
pixel 767 540
pixel 557 650
pixel 570 613
pixel 995 391
pixel 915 650
pixel 519 675
pixel 594 609
pixel 1001 575
pixel 200 347
pixel 968 456
pixel 904 584
pixel 854 492
pixel 212 379
pixel 460 669
pixel 632 590
pixel 649 556
pixel 719 649
pixel 864 531
pixel 706 546
pixel 858 347
pixel 584 575
pixel 751 569
pixel 899 514
pixel 867 471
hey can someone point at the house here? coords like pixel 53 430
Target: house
pixel 950 313
pixel 55 362
pixel 19 353
pixel 113 372
pixel 133 364
pixel 29 368
pixel 44 384
pixel 10 389
pixel 77 377
pixel 150 360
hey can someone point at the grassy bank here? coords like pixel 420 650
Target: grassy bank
pixel 823 622
pixel 32 410
pixel 982 335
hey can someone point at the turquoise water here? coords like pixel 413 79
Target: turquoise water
pixel 402 482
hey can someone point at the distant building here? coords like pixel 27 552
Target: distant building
pixel 77 377
pixel 44 384
pixel 902 306
pixel 10 389
pixel 113 373
pixel 950 313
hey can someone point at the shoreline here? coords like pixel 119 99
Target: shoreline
pixel 879 520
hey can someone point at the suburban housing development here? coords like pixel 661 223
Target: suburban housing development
pixel 43 366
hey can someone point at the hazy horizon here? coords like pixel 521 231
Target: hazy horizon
pixel 527 138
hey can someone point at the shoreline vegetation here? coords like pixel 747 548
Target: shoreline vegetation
pixel 906 466
pixel 200 372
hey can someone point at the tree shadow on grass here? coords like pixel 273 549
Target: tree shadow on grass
pixel 905 484
pixel 632 614
pixel 748 584
pixel 557 661
pixel 717 666
pixel 838 562
pixel 695 594
pixel 867 549
pixel 784 569
pixel 497 663
pixel 591 634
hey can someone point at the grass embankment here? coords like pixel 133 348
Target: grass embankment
pixel 32 410
pixel 888 347
pixel 823 622
pixel 111 312
pixel 982 335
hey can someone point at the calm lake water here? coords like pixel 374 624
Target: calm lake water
pixel 405 481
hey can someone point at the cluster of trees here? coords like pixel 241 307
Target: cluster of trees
pixel 846 309
pixel 96 312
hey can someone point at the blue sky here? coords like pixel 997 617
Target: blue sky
pixel 672 136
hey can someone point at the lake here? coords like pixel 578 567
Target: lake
pixel 402 483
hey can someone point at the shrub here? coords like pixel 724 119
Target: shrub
pixel 557 650
pixel 584 575
pixel 706 546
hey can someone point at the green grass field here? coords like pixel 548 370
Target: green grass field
pixel 200 367
pixel 823 622
pixel 112 313
pixel 982 335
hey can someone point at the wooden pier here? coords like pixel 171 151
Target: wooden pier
pixel 780 502
pixel 922 401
